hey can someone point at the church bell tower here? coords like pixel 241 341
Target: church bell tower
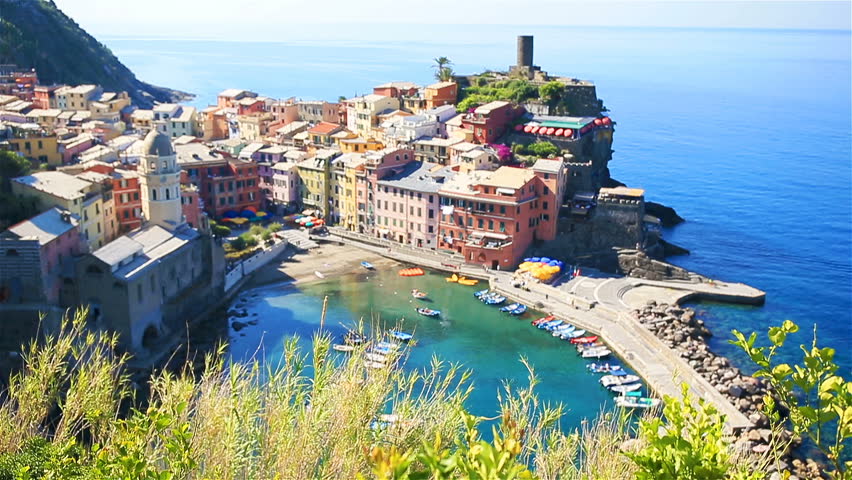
pixel 159 181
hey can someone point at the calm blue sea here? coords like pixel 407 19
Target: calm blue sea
pixel 745 132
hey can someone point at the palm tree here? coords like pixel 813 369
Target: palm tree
pixel 444 73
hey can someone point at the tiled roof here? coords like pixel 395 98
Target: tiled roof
pixel 324 128
pixel 45 226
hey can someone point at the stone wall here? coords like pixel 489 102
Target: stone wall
pixel 638 264
pixel 608 226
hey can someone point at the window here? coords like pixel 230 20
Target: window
pixel 431 229
pixel 153 194
pixel 153 282
pixel 544 205
pixel 139 292
pixel 168 194
pixel 502 226
pixel 490 224
pixel 430 200
pixel 517 226
pixel 431 213
pixel 480 223
pixel 502 209
pixel 470 221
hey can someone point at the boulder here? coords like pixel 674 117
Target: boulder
pixel 237 326
pixel 735 391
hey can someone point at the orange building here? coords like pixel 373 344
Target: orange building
pixel 442 93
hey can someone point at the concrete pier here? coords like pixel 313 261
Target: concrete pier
pixel 600 305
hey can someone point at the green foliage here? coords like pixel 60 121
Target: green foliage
pixel 818 399
pixel 37 458
pixel 238 243
pixel 220 231
pixel 275 227
pixel 551 92
pixel 443 71
pixel 256 230
pixel 266 235
pixel 515 90
pixel 543 149
pixel 11 166
pixel 249 240
pixel 519 149
pixel 688 445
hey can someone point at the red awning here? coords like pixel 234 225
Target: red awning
pixel 568 132
pixel 550 131
pixel 558 132
pixel 598 121
pixel 534 130
pixel 528 129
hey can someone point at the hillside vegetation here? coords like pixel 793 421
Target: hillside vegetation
pixel 36 34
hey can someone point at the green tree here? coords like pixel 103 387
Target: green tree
pixel 444 72
pixel 11 166
pixel 818 399
pixel 266 235
pixel 551 92
pixel 249 239
pixel 256 230
pixel 274 227
pixel 238 244
pixel 219 230
pixel 543 149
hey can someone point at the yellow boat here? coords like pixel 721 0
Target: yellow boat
pixel 453 279
pixel 467 281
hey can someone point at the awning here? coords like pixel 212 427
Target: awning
pixel 383 231
pixel 308 212
pixel 507 191
pixel 449 209
pixel 498 236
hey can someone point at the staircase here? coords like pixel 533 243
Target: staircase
pixel 299 239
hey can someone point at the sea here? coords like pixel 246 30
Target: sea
pixel 746 133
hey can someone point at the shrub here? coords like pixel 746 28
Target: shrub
pixel 238 243
pixel 519 149
pixel 256 230
pixel 543 149
pixel 249 239
pixel 220 230
pixel 266 235
pixel 275 227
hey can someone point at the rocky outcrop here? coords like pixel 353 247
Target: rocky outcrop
pixel 667 215
pixel 638 264
pixel 681 329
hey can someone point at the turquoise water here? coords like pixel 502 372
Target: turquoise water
pixel 747 133
pixel 482 338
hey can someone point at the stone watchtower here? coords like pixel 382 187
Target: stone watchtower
pixel 525 51
pixel 159 181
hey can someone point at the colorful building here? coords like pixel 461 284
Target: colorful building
pixel 442 93
pixel 36 145
pixel 407 206
pixel 33 254
pixel 490 121
pixel 492 218
pixel 228 98
pixel 315 181
pixel 321 134
pixel 362 115
pixel 344 189
pixel 225 184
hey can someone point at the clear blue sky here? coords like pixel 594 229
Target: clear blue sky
pixel 286 19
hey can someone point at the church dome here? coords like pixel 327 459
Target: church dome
pixel 157 144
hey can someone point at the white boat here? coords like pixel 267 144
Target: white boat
pixel 343 348
pixel 622 389
pixel 375 357
pixel 376 365
pixel 319 274
pixel 613 380
pixel 636 402
pixel 597 353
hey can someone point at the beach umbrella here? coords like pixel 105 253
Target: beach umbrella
pixel 528 129
pixel 568 132
pixel 519 127
pixel 558 132
pixel 598 121
pixel 230 214
pixel 261 214
pixel 550 131
pixel 247 214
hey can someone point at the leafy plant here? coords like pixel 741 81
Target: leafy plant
pixel 238 243
pixel 818 399
pixel 543 149
pixel 249 239
pixel 275 227
pixel 551 92
pixel 256 230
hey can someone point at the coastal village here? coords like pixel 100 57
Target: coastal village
pixel 151 218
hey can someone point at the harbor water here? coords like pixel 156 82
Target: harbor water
pixel 478 336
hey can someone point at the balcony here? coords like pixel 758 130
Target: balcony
pixel 489 240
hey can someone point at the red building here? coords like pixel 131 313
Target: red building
pixel 396 89
pixel 250 105
pixel 126 194
pixel 224 184
pixel 44 96
pixel 442 93
pixel 191 204
pixel 492 218
pixel 490 121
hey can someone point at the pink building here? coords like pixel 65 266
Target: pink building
pixel 379 165
pixel 32 254
pixel 285 186
pixel 72 146
pixel 407 206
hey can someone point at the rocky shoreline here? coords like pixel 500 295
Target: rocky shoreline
pixel 679 328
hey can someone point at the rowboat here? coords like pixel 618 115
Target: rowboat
pixel 510 307
pixel 636 402
pixel 572 334
pixel 354 338
pixel 550 324
pixel 428 312
pixel 480 293
pixel 319 274
pixel 401 336
pixel 600 352
pixel 520 310
pixel 418 294
pixel 541 320
pixel 563 329
pixel 495 300
pixel 368 265
pixel 375 357
pixel 610 368
pixel 582 347
pixel 453 279
pixel 590 339
pixel 370 364
pixel 343 348
pixel 467 281
pixel 622 389
pixel 613 380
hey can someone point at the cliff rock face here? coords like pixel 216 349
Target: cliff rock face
pixel 36 34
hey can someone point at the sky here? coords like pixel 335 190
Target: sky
pixel 289 19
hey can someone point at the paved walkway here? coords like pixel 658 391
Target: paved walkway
pixel 598 305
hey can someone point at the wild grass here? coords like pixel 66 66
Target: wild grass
pixel 312 415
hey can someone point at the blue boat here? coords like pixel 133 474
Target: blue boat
pixel 610 368
pixel 550 324
pixel 480 293
pixel 520 310
pixel 401 336
pixel 510 307
pixel 368 265
pixel 495 300
pixel 572 334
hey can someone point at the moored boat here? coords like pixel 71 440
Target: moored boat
pixel 375 365
pixel 589 339
pixel 343 348
pixel 354 338
pixel 572 334
pixel 610 368
pixel 509 307
pixel 375 357
pixel 368 265
pixel 495 300
pixel 626 388
pixel 480 293
pixel 600 352
pixel 453 279
pixel 628 401
pixel 582 347
pixel 613 380
pixel 467 281
pixel 541 320
pixel 401 336
pixel 549 325
pixel 428 312
pixel 520 310
pixel 418 294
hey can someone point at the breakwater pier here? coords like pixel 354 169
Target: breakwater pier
pixel 602 305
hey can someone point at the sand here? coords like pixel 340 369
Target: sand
pixel 330 259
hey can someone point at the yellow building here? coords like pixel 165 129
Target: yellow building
pixel 36 146
pixel 359 145
pixel 315 181
pixel 78 196
pixel 344 189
